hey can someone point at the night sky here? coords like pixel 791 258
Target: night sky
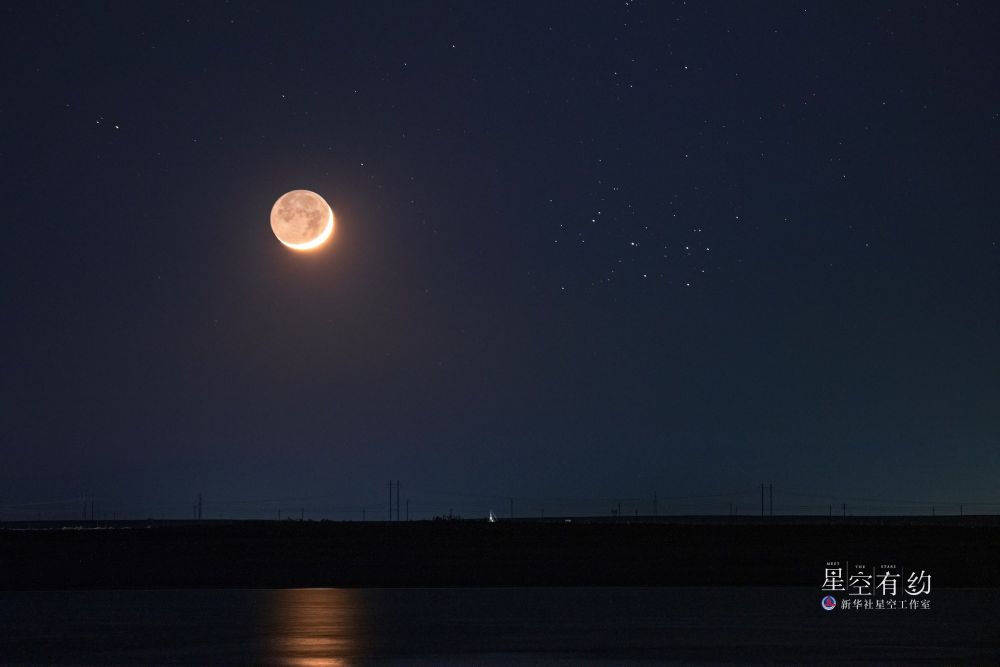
pixel 583 251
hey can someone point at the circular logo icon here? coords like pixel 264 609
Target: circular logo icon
pixel 829 603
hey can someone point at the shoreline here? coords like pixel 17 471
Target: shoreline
pixel 959 552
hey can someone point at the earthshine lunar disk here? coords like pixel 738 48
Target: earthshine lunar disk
pixel 302 220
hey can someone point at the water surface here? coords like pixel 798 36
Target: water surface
pixel 330 626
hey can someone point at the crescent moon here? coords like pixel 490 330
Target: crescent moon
pixel 298 222
pixel 319 240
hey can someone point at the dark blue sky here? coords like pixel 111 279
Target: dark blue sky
pixel 584 250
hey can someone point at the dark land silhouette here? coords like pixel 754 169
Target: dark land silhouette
pixel 644 551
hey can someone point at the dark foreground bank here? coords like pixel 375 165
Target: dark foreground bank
pixel 958 552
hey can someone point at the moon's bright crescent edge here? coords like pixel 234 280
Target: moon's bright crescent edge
pixel 319 240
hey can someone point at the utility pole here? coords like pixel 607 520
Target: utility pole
pixel 961 510
pixel 770 500
pixel 844 508
pixel 762 499
pixel 397 500
pixel 302 514
pixel 390 500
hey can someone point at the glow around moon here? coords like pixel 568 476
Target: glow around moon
pixel 302 220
